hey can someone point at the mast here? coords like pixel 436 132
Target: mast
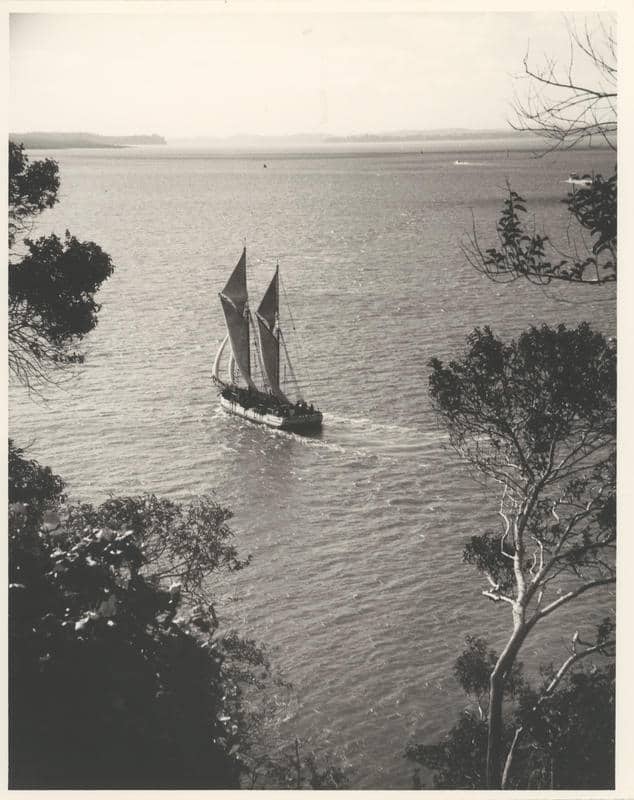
pixel 235 304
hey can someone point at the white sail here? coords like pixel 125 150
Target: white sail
pixel 216 369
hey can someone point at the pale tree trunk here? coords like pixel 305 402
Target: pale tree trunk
pixel 494 740
pixel 496 696
pixel 509 758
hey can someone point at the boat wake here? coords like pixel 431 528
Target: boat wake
pixel 335 421
pixel 355 437
pixel 307 439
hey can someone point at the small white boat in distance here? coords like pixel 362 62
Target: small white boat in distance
pixel 577 181
pixel 252 386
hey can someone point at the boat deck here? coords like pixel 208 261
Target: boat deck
pixel 293 421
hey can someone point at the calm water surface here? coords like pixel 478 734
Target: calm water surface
pixel 356 584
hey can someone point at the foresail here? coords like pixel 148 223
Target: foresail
pixel 234 299
pixel 236 287
pixel 269 343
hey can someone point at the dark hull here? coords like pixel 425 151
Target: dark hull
pixel 295 421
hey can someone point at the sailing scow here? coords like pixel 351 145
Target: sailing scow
pixel 255 375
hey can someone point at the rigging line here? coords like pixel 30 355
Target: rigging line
pixel 290 366
pixel 299 338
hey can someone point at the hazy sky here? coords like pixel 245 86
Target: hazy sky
pixel 218 72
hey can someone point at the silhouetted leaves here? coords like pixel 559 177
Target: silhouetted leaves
pixel 473 670
pixel 491 557
pixel 458 760
pixel 52 284
pixel 574 729
pixel 522 252
pixel 115 682
pixel 568 740
pixel 507 406
pixel 32 188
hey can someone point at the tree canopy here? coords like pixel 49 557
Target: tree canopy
pixel 32 188
pixel 52 282
pixel 119 679
pixel 531 411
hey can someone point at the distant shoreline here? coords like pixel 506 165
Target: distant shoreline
pixel 53 140
pixel 423 142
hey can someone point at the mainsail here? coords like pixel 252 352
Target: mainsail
pixel 267 317
pixel 234 299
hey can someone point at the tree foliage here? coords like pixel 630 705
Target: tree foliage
pixel 183 544
pixel 566 722
pixel 572 729
pixel 473 671
pixel 32 189
pixel 296 765
pixel 457 761
pixel 531 410
pixel 52 283
pixel 116 680
pixel 522 252
pixel 32 488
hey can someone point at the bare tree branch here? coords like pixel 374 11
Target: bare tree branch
pixel 567 111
